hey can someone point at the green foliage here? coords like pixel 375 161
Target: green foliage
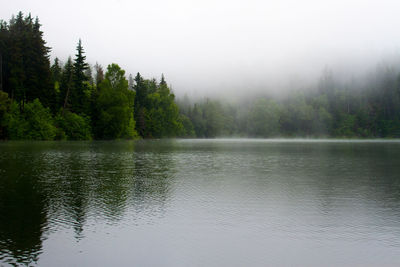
pixel 346 126
pixel 297 116
pixel 211 119
pixel 156 112
pixel 72 126
pixel 264 119
pixel 187 129
pixel 79 100
pixel 140 104
pixel 214 119
pixel 322 122
pixel 33 123
pixel 162 115
pixel 26 66
pixel 199 123
pixel 66 84
pixel 115 106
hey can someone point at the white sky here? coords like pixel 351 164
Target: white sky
pixel 207 46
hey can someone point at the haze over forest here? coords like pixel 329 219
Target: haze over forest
pixel 225 48
pixel 200 69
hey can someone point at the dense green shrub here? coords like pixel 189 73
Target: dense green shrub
pixel 115 106
pixel 33 122
pixel 73 127
pixel 187 129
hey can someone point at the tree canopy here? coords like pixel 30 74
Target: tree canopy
pixel 71 100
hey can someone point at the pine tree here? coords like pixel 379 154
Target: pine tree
pixel 56 73
pixel 140 104
pixel 163 82
pixel 16 75
pixel 78 97
pixel 27 67
pixel 41 86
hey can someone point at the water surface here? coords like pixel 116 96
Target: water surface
pixel 200 203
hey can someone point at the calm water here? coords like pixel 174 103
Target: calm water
pixel 200 203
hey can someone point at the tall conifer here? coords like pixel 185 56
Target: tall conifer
pixel 78 97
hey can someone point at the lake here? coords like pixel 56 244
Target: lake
pixel 223 202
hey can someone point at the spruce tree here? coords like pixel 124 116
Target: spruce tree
pixel 140 104
pixel 163 82
pixel 56 72
pixel 41 86
pixel 78 97
pixel 16 75
pixel 27 67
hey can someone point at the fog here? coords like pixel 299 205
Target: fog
pixel 215 47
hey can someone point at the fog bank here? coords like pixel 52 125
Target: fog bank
pixel 218 47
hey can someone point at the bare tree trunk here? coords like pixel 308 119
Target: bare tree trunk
pixel 67 94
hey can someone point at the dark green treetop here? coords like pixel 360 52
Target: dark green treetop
pixel 78 97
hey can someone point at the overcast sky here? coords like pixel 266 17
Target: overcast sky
pixel 205 46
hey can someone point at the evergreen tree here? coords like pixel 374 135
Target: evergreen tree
pixel 67 84
pixel 162 114
pixel 89 75
pixel 41 85
pixel 15 84
pixel 27 67
pixel 56 74
pixel 140 104
pixel 78 96
pixel 163 82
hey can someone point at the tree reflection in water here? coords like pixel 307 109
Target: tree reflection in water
pixel 46 187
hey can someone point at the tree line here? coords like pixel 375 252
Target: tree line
pixel 40 101
pixel 74 101
pixel 367 108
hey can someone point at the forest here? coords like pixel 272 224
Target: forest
pixel 72 100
